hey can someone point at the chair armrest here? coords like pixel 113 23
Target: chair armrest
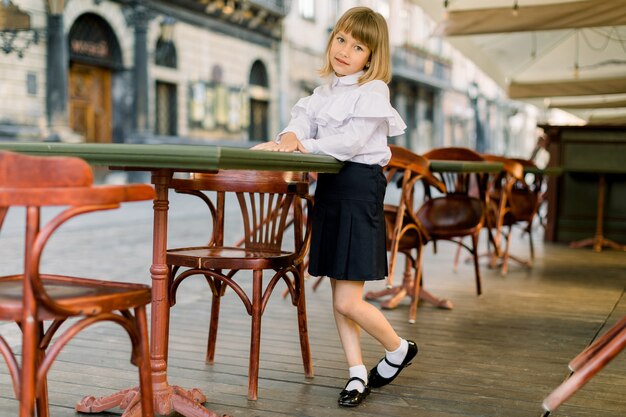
pixel 306 241
pixel 75 196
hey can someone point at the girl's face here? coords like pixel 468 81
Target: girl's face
pixel 347 55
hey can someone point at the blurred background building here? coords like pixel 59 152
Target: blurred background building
pixel 198 71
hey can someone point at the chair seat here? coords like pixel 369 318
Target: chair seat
pixel 524 204
pixel 520 209
pixel 451 216
pixel 83 296
pixel 444 233
pixel 409 240
pixel 224 257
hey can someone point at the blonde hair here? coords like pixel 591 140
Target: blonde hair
pixel 369 27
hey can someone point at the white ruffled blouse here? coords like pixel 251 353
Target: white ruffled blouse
pixel 348 121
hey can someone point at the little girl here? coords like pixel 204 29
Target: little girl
pixel 350 119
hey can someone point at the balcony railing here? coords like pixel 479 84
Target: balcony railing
pixel 421 65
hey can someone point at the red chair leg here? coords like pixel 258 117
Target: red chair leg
pixel 42 392
pixel 415 293
pixel 42 399
pixel 317 283
pixel 479 290
pixel 30 352
pixel 530 240
pixel 597 345
pixel 579 378
pixel 457 255
pixel 255 335
pixel 145 376
pixel 505 258
pixel 215 313
pixel 305 348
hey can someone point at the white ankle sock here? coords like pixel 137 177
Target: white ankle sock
pixel 359 371
pixel 396 357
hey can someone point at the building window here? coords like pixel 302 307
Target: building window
pixel 166 109
pixel 307 9
pixel 165 54
pixel 165 51
pixel 258 129
pixel 31 83
pixel 333 11
pixel 382 7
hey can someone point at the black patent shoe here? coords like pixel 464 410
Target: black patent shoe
pixel 376 380
pixel 353 397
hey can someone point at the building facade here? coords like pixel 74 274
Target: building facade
pixel 196 71
pixel 443 97
pixel 122 71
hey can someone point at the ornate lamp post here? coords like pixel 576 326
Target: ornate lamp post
pixel 473 93
pixel 139 15
pixel 56 67
pixel 16 34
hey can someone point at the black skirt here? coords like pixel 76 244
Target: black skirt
pixel 348 236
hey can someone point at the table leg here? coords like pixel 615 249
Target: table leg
pixel 599 241
pixel 398 293
pixel 167 398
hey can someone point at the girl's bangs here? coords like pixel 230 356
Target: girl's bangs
pixel 361 28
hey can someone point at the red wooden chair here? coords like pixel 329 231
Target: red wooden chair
pixel 265 201
pixel 512 201
pixel 500 208
pixel 405 233
pixel 32 298
pixel 588 363
pixel 525 199
pixel 456 213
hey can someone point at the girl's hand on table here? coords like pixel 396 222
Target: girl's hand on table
pixel 288 143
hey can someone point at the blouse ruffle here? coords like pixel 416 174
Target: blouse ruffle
pixel 363 102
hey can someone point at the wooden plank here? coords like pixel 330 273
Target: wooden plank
pixel 495 355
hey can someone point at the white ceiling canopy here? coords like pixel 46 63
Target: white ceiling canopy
pixel 543 51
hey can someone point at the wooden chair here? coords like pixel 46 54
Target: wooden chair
pixel 265 200
pixel 456 213
pixel 32 298
pixel 405 233
pixel 500 211
pixel 588 363
pixel 525 200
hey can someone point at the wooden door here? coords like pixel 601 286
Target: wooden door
pixel 166 114
pixel 90 102
pixel 259 112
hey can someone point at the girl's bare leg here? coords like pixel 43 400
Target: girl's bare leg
pixel 351 313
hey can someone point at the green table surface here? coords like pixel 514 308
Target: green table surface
pixel 178 157
pixel 464 166
pixel 544 171
pixel 207 157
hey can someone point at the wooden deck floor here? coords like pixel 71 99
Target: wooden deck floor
pixel 495 355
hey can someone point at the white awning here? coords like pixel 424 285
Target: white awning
pixel 542 51
pixel 581 14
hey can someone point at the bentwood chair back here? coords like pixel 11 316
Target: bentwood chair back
pixel 265 201
pixel 524 200
pixel 33 298
pixel 405 233
pixel 500 202
pixel 404 230
pixel 456 213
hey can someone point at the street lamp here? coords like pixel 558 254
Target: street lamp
pixel 56 66
pixel 55 7
pixel 16 34
pixel 473 92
